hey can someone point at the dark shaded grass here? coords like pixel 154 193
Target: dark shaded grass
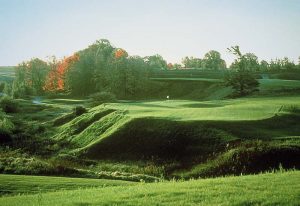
pixel 249 157
pixel 148 137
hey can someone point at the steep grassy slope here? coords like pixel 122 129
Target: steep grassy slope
pixel 144 138
pixel 264 189
pixel 22 184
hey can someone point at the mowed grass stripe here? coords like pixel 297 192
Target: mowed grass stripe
pixel 265 189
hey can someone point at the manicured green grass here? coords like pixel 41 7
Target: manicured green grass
pixel 265 189
pixel 24 184
pixel 278 84
pixel 187 79
pixel 227 110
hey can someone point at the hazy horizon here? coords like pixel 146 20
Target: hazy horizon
pixel 173 29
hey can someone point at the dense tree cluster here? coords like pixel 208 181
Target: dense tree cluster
pixel 277 65
pixel 30 77
pixel 212 61
pixel 100 67
pixel 104 68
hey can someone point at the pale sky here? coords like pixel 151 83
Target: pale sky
pixel 171 28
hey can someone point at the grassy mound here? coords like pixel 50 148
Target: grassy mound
pixel 158 138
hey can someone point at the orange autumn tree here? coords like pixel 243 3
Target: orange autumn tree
pixel 56 78
pixel 120 53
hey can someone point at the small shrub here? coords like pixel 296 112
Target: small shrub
pixel 8 105
pixel 22 92
pixel 102 97
pixel 79 110
pixel 6 125
pixel 293 109
pixel 6 128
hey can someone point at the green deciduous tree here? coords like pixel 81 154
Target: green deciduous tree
pixel 264 66
pixel 156 62
pixel 242 80
pixel 192 62
pixel 31 76
pixel 212 60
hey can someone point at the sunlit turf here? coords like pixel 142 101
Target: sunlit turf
pixel 227 110
pixel 265 189
pixel 24 184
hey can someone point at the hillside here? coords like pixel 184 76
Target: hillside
pixel 178 137
pixel 189 133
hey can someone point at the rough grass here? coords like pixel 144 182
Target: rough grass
pixel 80 123
pixel 100 129
pixel 280 188
pixel 248 158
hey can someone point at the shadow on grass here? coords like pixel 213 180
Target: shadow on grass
pixel 202 105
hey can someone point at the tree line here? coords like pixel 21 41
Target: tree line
pixel 104 67
pixel 213 61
